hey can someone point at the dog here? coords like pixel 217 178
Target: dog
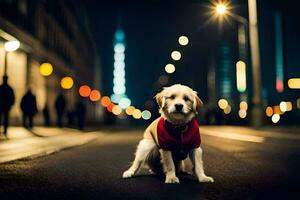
pixel 171 143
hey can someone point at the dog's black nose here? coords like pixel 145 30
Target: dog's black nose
pixel 178 107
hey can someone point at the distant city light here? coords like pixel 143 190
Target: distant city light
pixel 223 103
pixel 130 110
pixel 241 76
pixel 275 118
pixel 221 9
pixel 146 114
pixel 285 106
pixel 95 95
pixel 183 40
pixel 242 113
pixel 276 110
pixel 117 110
pixel 46 69
pixel 84 91
pixel 227 110
pixel 298 103
pixel 269 111
pixel 12 45
pixel 137 114
pixel 67 82
pixel 119 89
pixel 124 102
pixel 170 68
pixel 176 55
pixel 243 105
pixel 294 83
pixel 105 101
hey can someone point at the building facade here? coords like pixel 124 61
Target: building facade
pixel 56 32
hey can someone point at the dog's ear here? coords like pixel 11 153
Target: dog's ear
pixel 197 104
pixel 160 99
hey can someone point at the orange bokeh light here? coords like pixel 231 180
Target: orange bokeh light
pixel 105 101
pixel 110 107
pixel 95 95
pixel 84 91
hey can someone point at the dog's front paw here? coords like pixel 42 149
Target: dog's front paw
pixel 171 179
pixel 206 179
pixel 128 174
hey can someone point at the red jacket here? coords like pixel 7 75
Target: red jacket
pixel 178 139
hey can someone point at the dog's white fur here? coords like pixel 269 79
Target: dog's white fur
pixel 167 101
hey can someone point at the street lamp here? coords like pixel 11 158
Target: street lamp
pixel 221 9
pixel 9 46
pixel 255 56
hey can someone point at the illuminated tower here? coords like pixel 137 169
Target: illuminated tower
pixel 119 90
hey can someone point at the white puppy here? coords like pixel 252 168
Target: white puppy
pixel 174 138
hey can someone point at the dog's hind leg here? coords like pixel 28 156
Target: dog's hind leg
pixel 143 149
pixel 198 166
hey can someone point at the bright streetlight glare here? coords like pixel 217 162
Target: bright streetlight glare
pixel 11 45
pixel 221 9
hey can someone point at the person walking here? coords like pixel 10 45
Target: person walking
pixel 29 109
pixel 7 100
pixel 46 115
pixel 60 106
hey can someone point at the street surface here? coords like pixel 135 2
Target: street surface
pixel 245 165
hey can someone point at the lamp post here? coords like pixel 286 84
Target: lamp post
pixel 221 9
pixel 9 46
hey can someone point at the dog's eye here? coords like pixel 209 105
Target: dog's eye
pixel 172 97
pixel 186 98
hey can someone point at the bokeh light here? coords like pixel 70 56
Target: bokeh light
pixel 227 110
pixel 170 68
pixel 130 110
pixel 223 103
pixel 242 113
pixel 84 91
pixel 298 103
pixel 163 80
pixel 269 111
pixel 183 40
pixel 110 107
pixel 105 101
pixel 294 83
pixel 117 110
pixel 124 102
pixel 95 95
pixel 243 105
pixel 46 69
pixel 67 82
pixel 176 55
pixel 275 118
pixel 276 110
pixel 137 114
pixel 146 114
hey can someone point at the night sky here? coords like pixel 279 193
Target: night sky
pixel 151 31
pixel 153 27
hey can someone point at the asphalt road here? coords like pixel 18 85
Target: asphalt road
pixel 241 169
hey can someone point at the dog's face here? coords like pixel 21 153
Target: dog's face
pixel 178 103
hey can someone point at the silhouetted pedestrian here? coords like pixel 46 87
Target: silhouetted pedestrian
pixel 71 115
pixel 46 115
pixel 7 100
pixel 80 112
pixel 29 109
pixel 60 106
